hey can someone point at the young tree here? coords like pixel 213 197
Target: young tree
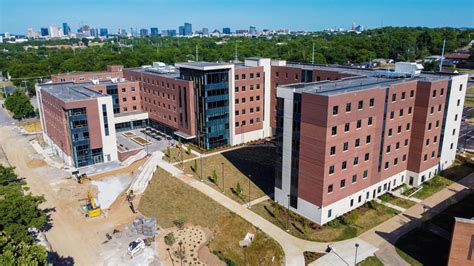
pixel 19 104
pixel 214 177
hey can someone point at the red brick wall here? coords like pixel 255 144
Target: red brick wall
pixel 159 96
pixel 93 120
pixel 79 77
pixel 316 141
pixel 55 121
pixel 421 120
pixel 281 75
pixel 462 244
pixel 129 100
pixel 254 89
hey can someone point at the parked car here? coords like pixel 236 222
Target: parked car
pixel 136 247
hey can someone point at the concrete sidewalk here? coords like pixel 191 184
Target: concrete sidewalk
pixel 385 235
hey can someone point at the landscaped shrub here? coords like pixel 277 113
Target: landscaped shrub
pixel 169 239
pixel 179 222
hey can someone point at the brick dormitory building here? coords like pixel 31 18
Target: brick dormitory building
pixel 344 135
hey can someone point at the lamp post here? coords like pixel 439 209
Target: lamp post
pixel 180 252
pixel 223 182
pixel 250 177
pixel 355 259
pixel 288 214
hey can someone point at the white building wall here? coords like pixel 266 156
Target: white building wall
pixel 320 214
pixel 232 135
pixel 419 178
pixel 109 143
pixel 266 64
pixel 281 195
pixel 57 150
pixel 453 118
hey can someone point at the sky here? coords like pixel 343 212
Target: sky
pixel 310 15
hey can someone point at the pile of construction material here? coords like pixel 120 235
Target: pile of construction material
pixel 145 226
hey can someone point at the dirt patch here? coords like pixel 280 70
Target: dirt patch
pixel 36 163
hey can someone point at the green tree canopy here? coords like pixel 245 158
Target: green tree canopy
pixel 19 104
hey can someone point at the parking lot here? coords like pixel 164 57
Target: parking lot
pixel 466 134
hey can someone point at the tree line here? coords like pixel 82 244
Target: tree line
pixel 398 43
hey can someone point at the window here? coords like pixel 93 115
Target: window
pixel 412 93
pixel 439 107
pixel 406 142
pixel 425 157
pixel 343 183
pixel 403 95
pixel 331 169
pixel 392 115
pixel 429 126
pixel 330 210
pixel 441 92
pixel 367 139
pixel 344 165
pixel 397 145
pixel 332 150
pixel 460 87
pixel 360 105
pixel 366 173
pixel 408 126
pixel 459 103
pixel 399 129
pixel 395 161
pixel 359 124
pixel 348 107
pixel 243 88
pixel 335 110
pixel 124 89
pixel 243 76
pixel 334 130
pixel 356 160
pixel 236 89
pixel 394 97
pixel 387 164
pixel 404 158
pixel 401 112
pixel 251 75
pixel 435 139
pixel 366 157
pixel 437 121
pixel 390 132
pixel 427 142
pixel 434 93
pixel 432 109
pixel 346 127
pixel 409 110
pixel 237 76
pixel 354 178
pixel 369 121
pixel 330 188
pixel 237 112
pixel 357 142
pixel 236 124
pixel 388 148
pixel 124 99
pixel 345 146
pixel 371 102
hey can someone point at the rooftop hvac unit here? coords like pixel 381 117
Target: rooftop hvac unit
pixel 114 80
pixel 95 81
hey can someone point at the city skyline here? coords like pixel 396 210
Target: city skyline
pixel 17 16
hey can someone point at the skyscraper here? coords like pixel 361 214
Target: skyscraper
pixel 66 29
pixel 44 32
pixel 226 31
pixel 181 30
pixel 252 30
pixel 104 32
pixel 143 32
pixel 154 31
pixel 188 29
pixel 205 31
pixel 53 31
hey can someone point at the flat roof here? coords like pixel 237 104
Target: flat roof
pixel 71 91
pixel 362 79
pixel 204 65
pixel 171 75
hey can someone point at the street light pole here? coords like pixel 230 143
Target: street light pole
pixel 355 259
pixel 223 182
pixel 250 177
pixel 288 215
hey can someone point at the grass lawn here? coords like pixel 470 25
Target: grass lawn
pixel 463 208
pixel 347 226
pixel 370 261
pixel 432 186
pixel 469 102
pixel 409 191
pixel 470 89
pixel 421 247
pixel 404 203
pixel 168 199
pixel 446 178
pixel 31 125
pixel 175 156
pixel 310 256
pixel 255 161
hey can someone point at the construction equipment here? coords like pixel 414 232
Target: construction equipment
pixel 80 178
pixel 91 208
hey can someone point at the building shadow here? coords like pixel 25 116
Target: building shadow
pixel 257 162
pixel 49 221
pixel 414 238
pixel 55 259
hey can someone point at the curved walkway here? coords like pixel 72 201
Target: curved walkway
pixel 381 237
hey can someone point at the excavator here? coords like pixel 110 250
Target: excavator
pixel 91 208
